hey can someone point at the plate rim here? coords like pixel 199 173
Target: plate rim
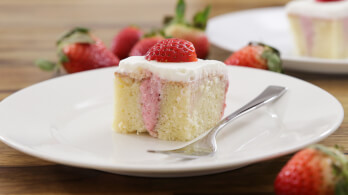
pixel 134 168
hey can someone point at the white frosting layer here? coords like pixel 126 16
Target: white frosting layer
pixel 182 71
pixel 312 8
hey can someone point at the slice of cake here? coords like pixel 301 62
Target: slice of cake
pixel 320 27
pixel 169 93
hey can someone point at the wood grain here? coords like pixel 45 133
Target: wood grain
pixel 28 30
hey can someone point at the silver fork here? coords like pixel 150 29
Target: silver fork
pixel 205 144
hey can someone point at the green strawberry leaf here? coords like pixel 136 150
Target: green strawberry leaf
pixel 71 32
pixel 201 18
pixel 179 17
pixel 163 34
pixel 339 167
pixel 180 11
pixel 274 63
pixel 46 65
pixel 341 187
pixel 62 57
pixel 167 20
pixel 76 37
pixel 156 32
pixel 272 56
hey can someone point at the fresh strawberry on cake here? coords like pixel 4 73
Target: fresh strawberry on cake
pixel 169 93
pixel 194 32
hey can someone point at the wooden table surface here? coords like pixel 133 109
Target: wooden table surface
pixel 28 30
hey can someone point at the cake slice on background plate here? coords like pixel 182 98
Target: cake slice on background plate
pixel 320 27
pixel 169 93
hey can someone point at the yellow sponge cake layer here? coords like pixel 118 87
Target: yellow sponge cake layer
pixel 188 110
pixel 127 117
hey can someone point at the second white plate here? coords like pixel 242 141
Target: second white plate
pixel 269 25
pixel 68 120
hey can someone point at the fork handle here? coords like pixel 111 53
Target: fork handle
pixel 270 94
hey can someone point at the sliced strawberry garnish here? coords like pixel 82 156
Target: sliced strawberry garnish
pixel 172 50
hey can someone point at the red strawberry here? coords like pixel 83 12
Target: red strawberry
pixel 172 50
pixel 194 35
pixel 179 28
pixel 314 170
pixel 125 40
pixel 256 55
pixel 144 45
pixel 78 50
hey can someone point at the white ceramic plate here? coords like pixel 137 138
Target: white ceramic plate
pixel 269 25
pixel 68 120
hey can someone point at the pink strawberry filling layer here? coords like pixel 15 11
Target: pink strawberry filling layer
pixel 224 104
pixel 150 89
pixel 345 28
pixel 307 26
pixel 308 30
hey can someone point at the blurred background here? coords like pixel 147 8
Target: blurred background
pixel 29 28
pixel 36 24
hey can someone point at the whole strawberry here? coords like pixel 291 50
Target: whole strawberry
pixel 78 50
pixel 256 55
pixel 125 40
pixel 314 170
pixel 178 27
pixel 142 46
pixel 172 50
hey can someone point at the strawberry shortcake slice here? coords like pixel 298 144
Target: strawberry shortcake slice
pixel 169 93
